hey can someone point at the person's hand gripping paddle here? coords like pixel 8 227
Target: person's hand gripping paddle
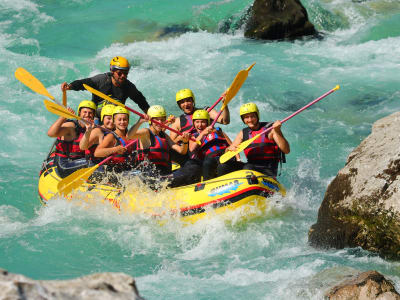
pixel 228 155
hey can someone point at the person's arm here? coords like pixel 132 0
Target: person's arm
pixel 137 97
pixel 181 149
pixel 230 143
pixel 90 137
pixel 107 147
pixel 277 135
pixel 177 126
pixel 135 132
pixel 62 128
pixel 236 142
pixel 224 118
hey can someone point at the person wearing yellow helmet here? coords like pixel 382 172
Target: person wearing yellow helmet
pixel 267 151
pixel 114 83
pixel 68 155
pixel 94 135
pixel 185 99
pixel 154 144
pixel 116 142
pixel 213 144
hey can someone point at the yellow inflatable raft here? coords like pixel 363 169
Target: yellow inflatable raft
pixel 244 189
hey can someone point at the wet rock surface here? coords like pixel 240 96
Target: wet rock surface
pixel 365 286
pixel 361 206
pixel 96 286
pixel 278 19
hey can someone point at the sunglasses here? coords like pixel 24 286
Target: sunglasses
pixel 120 72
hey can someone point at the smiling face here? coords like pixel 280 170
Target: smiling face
pixel 121 121
pixel 187 105
pixel 108 122
pixel 157 127
pixel 250 120
pixel 200 125
pixel 87 114
pixel 120 76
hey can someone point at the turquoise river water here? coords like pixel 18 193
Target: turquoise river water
pixel 268 258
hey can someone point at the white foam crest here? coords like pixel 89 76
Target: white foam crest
pixel 12 222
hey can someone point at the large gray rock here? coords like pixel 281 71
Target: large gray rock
pixel 361 206
pixel 278 19
pixel 368 285
pixel 105 286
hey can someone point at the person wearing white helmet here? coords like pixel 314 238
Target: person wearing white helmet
pixel 114 83
pixel 267 151
pixel 68 155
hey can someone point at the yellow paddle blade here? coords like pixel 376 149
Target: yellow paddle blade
pixel 228 155
pixel 32 82
pixel 75 180
pixel 60 110
pixel 236 85
pixel 104 96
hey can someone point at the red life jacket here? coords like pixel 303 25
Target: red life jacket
pixel 71 149
pixel 186 122
pixel 157 153
pixel 262 149
pixel 89 153
pixel 213 144
pixel 125 157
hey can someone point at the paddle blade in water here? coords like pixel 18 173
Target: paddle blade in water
pixel 59 110
pixel 32 82
pixel 75 180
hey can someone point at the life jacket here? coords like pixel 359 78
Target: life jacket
pixel 71 149
pixel 213 145
pixel 124 158
pixel 262 149
pixel 186 122
pixel 157 153
pixel 89 153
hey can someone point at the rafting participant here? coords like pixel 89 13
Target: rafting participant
pixel 94 135
pixel 213 144
pixel 267 151
pixel 114 83
pixel 69 157
pixel 155 145
pixel 186 102
pixel 116 142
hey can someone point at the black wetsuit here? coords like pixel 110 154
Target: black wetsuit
pixel 103 83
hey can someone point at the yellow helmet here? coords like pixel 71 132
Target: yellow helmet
pixel 183 94
pixel 120 63
pixel 107 110
pixel 249 108
pixel 86 104
pixel 201 114
pixel 156 111
pixel 120 110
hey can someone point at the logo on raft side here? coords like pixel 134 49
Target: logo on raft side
pixel 270 185
pixel 224 189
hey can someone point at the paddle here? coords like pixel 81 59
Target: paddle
pixel 32 82
pixel 65 113
pixel 228 155
pixel 76 179
pixel 100 94
pixel 233 89
pixel 65 98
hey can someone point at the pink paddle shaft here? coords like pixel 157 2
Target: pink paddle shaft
pixel 301 109
pixel 158 123
pixel 108 158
